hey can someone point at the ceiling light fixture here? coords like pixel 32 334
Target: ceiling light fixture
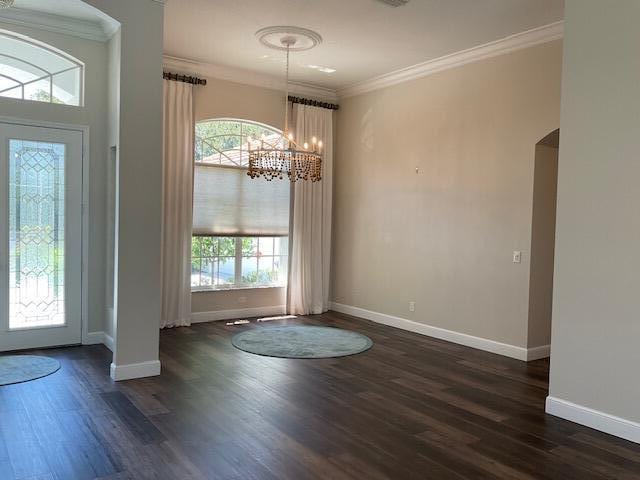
pixel 322 69
pixel 6 3
pixel 301 160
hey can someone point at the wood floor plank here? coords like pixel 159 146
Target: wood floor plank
pixel 412 407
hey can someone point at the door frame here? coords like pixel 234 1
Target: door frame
pixel 84 208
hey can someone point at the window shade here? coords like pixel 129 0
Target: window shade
pixel 227 202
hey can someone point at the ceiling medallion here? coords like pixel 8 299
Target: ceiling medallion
pixel 297 161
pixel 305 39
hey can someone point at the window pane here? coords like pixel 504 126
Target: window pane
pixel 35 54
pixel 265 246
pixel 265 270
pixel 224 142
pixel 196 243
pixel 66 87
pixel 208 274
pixel 34 66
pixel 226 274
pixel 21 71
pixel 38 91
pixel 195 272
pixel 281 246
pixel 226 246
pixel 208 246
pixel 217 127
pixel 7 83
pixel 220 142
pixel 12 93
pixel 213 262
pixel 249 270
pixel 249 246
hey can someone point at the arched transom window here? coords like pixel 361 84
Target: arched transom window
pixel 224 141
pixel 30 70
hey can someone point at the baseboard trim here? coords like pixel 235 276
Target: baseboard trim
pixel 135 370
pixel 97 338
pixel 512 351
pixel 604 422
pixel 93 338
pixel 108 341
pixel 536 353
pixel 215 315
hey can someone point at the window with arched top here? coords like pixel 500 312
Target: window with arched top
pixel 224 141
pixel 30 70
pixel 240 224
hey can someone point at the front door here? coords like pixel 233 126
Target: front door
pixel 40 237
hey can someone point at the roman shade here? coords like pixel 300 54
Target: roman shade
pixel 227 202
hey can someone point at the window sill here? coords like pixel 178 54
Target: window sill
pixel 231 289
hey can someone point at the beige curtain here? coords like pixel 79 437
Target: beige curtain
pixel 311 220
pixel 177 209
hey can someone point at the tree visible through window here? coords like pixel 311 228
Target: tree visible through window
pixel 30 70
pixel 224 142
pixel 232 262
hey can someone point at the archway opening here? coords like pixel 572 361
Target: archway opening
pixel 543 234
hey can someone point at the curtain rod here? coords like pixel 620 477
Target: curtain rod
pixel 313 103
pixel 183 78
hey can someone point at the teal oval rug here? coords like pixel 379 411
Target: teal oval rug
pixel 301 341
pixel 23 368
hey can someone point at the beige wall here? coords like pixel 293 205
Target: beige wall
pixel 444 237
pixel 220 99
pixel 237 299
pixel 595 349
pixel 543 235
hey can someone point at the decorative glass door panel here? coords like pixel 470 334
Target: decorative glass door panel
pixel 36 234
pixel 40 222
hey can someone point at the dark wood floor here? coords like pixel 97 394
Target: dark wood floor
pixel 411 407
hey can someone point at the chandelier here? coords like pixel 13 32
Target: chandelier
pixel 6 3
pixel 297 159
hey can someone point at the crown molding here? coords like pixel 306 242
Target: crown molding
pixel 57 24
pixel 536 36
pixel 247 77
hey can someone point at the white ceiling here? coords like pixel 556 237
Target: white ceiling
pixel 362 38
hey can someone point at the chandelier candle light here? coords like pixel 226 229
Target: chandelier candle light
pixel 297 160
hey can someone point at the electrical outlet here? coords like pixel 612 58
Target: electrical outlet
pixel 517 256
pixel 412 306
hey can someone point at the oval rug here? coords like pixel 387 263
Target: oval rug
pixel 301 341
pixel 23 368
